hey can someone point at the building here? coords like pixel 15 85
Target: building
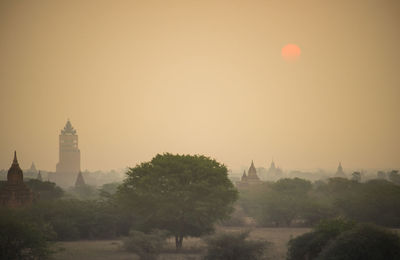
pixel 250 179
pixel 14 192
pixel 80 182
pixel 31 172
pixel 274 172
pixel 340 172
pixel 69 164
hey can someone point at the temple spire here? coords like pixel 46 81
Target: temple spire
pixel 15 161
pixel 68 128
pixel 80 182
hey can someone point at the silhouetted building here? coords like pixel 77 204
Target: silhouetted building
pixel 250 179
pixel 274 172
pixel 15 193
pixel 31 172
pixel 33 168
pixel 244 176
pixel 340 172
pixel 69 164
pixel 80 182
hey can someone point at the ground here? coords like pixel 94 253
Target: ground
pixel 193 247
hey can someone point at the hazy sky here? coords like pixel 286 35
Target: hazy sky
pixel 138 78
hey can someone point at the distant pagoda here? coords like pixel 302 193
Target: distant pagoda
pixel 340 172
pixel 80 182
pixel 15 193
pixel 250 179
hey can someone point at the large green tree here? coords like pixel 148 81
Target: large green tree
pixel 183 194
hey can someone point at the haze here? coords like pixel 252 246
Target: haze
pixel 138 78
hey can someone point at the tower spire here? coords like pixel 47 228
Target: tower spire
pixel 15 161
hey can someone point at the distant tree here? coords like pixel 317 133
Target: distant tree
pixel 356 176
pixel 381 175
pixel 109 189
pixel 183 194
pixel 45 190
pixel 282 202
pixel 234 246
pixel 84 192
pixel 394 177
pixel 366 242
pixel 74 219
pixel 338 185
pixel 376 201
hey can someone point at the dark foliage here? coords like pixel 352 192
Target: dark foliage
pixel 309 245
pixel 366 242
pixel 21 239
pixel 45 190
pixel 234 246
pixel 295 202
pixel 76 219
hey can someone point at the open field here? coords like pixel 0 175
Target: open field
pixel 192 247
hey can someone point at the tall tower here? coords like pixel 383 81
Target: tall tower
pixel 69 164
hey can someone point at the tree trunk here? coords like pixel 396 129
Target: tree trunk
pixel 178 241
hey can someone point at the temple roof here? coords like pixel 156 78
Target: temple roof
pixel 33 167
pixel 15 174
pixel 252 173
pixel 68 129
pixel 252 169
pixel 340 172
pixel 80 182
pixel 272 167
pixel 244 177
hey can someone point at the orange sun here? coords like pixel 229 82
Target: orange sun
pixel 291 52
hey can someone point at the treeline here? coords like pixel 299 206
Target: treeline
pixel 299 202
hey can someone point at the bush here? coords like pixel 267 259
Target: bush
pixel 147 246
pixel 234 246
pixel 309 245
pixel 22 240
pixel 366 242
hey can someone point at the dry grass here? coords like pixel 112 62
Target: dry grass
pixel 192 247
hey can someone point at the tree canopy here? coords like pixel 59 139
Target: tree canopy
pixel 183 194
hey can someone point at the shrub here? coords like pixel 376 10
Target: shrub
pixel 22 240
pixel 234 246
pixel 309 245
pixel 146 246
pixel 367 242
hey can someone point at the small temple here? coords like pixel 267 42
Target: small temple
pixel 15 193
pixel 250 179
pixel 340 172
pixel 80 182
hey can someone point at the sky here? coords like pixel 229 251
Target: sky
pixel 137 78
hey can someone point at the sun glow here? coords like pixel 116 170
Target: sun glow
pixel 291 52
